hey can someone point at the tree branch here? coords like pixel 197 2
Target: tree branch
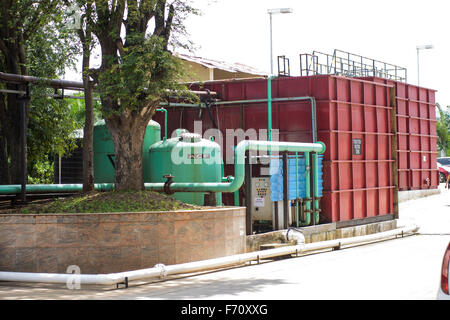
pixel 168 27
pixel 45 8
pixel 159 17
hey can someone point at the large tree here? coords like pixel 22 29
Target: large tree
pixel 136 73
pixel 33 41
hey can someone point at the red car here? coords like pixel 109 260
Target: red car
pixel 443 293
pixel 443 165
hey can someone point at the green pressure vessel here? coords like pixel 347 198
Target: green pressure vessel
pixel 188 158
pixel 104 151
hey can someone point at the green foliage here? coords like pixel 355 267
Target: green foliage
pixel 41 173
pixel 443 130
pixel 39 44
pixel 78 111
pixel 145 73
pixel 51 127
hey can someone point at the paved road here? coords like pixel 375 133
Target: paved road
pixel 404 268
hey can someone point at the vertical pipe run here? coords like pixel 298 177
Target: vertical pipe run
pixel 313 119
pixel 313 187
pixel 316 188
pixel 165 121
pixel 236 198
pixel 308 190
pixel 285 191
pixel 296 188
pixel 248 195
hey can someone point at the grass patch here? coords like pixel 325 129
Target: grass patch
pixel 112 201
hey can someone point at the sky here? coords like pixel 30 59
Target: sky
pixel 385 30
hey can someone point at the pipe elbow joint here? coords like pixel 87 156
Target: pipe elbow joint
pixel 324 147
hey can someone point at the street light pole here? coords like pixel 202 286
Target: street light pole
pixel 271 12
pixel 271 53
pixel 425 47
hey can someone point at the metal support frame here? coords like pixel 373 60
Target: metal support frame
pixel 284 69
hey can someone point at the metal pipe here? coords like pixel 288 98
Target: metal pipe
pixel 55 83
pixel 160 270
pixel 66 84
pixel 296 188
pixel 183 105
pixel 313 183
pixel 239 168
pixel 307 221
pixel 239 165
pixel 316 189
pixel 270 100
pixel 285 190
pixel 165 121
pixel 37 188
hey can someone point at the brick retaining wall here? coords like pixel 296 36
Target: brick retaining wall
pixel 115 242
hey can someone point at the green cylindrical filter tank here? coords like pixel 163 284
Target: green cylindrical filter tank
pixel 188 158
pixel 104 151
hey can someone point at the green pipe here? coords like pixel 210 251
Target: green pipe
pixel 269 101
pixel 232 186
pixel 239 166
pixel 184 105
pixel 165 121
pixel 35 188
pixel 296 187
pixel 316 188
pixel 307 221
pixel 236 198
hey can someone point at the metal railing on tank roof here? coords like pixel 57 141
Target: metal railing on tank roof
pixel 350 65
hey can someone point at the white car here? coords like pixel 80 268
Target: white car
pixel 443 293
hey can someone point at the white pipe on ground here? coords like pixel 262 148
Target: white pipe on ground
pixel 162 271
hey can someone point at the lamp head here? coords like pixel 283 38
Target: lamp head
pixel 280 10
pixel 428 46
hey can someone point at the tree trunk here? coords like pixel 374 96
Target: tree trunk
pixel 127 132
pixel 13 113
pixel 4 167
pixel 88 143
pixel 13 135
pixel 4 163
pixel 88 131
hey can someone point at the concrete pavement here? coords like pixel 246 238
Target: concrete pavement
pixel 406 268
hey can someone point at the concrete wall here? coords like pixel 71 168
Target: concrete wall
pixel 318 233
pixel 196 72
pixel 105 243
pixel 416 194
pixel 222 75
